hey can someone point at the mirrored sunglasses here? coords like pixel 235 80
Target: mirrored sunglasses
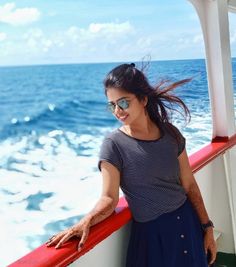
pixel 122 104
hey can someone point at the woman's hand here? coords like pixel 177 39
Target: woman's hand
pixel 210 245
pixel 80 229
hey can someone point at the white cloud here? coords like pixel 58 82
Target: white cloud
pixel 188 41
pixel 144 43
pixel 73 33
pixel 36 41
pixel 198 39
pixel 18 16
pixel 109 31
pixel 102 42
pixel 47 44
pixel 33 33
pixel 113 28
pixel 3 36
pixel 183 41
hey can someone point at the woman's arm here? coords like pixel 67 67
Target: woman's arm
pixel 191 188
pixel 103 209
pixel 194 195
pixel 110 194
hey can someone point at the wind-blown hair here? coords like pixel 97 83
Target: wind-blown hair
pixel 161 100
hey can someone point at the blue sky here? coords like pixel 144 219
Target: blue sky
pixel 74 31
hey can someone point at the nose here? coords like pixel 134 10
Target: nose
pixel 118 112
pixel 117 109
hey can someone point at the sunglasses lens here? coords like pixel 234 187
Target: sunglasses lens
pixel 111 107
pixel 123 104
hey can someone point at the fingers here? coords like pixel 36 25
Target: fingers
pixel 65 238
pixel 83 239
pixel 49 240
pixel 60 238
pixel 210 247
pixel 54 239
pixel 213 253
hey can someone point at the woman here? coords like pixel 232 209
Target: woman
pixel 147 158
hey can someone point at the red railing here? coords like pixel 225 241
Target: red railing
pixel 48 257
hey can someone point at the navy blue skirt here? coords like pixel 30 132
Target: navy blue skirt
pixel 174 239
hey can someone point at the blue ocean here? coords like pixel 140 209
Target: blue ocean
pixel 53 120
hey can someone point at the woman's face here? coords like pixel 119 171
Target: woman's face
pixel 130 114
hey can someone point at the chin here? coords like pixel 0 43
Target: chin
pixel 124 121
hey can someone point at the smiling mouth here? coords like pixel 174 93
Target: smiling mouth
pixel 122 118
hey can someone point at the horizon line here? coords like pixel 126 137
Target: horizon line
pixel 105 62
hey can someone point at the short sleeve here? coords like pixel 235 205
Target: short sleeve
pixel 110 153
pixel 181 142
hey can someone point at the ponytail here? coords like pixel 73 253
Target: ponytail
pixel 161 99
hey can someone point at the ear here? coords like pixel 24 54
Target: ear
pixel 145 101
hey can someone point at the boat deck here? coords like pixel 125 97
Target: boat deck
pixel 225 260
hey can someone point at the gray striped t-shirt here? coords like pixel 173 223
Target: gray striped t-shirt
pixel 149 171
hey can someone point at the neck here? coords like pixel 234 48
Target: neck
pixel 143 126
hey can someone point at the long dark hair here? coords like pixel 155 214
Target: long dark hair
pixel 161 100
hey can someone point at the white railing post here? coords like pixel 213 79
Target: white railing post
pixel 213 15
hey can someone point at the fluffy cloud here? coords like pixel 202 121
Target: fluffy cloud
pixel 3 36
pixel 36 40
pixel 108 28
pixel 187 41
pixel 97 42
pixel 79 40
pixel 100 31
pixel 102 42
pixel 18 16
pixel 198 39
